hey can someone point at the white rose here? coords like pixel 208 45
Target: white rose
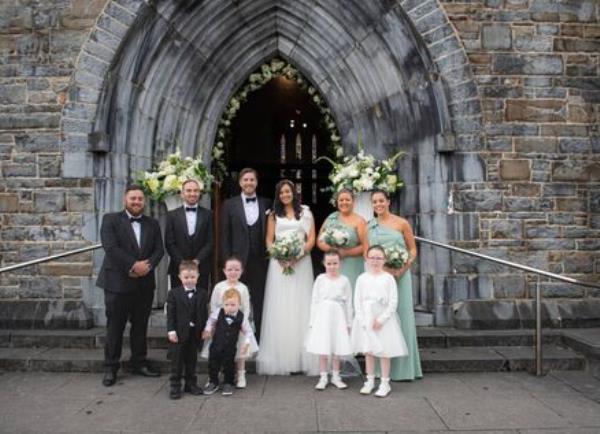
pixel 171 182
pixel 217 153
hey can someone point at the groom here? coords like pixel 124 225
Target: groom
pixel 243 233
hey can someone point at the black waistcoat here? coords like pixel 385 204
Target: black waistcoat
pixel 226 335
pixel 254 237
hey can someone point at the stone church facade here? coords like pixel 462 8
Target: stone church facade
pixel 496 102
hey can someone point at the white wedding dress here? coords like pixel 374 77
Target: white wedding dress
pixel 286 310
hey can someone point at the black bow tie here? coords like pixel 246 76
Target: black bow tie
pixel 251 199
pixel 135 219
pixel 230 316
pixel 188 291
pixel 190 209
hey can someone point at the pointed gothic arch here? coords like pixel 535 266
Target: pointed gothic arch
pixel 153 71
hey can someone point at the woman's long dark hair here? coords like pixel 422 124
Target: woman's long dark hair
pixel 279 208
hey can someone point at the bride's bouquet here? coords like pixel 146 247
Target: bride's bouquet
pixel 336 237
pixel 286 247
pixel 396 256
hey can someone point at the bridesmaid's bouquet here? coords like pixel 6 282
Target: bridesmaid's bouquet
pixel 335 237
pixel 396 256
pixel 286 247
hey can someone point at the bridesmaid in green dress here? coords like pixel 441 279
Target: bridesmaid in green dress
pixel 389 229
pixel 356 226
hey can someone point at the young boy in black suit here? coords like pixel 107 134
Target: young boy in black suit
pixel 224 327
pixel 186 316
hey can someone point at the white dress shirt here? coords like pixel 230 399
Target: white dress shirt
pixel 191 218
pixel 137 229
pixel 251 209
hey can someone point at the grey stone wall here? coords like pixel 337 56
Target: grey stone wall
pixel 516 142
pixel 41 213
pixel 536 63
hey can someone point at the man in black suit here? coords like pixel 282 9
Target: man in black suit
pixel 133 248
pixel 189 235
pixel 243 232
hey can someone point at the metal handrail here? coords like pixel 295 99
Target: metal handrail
pixel 422 240
pixel 510 264
pixel 538 291
pixel 49 258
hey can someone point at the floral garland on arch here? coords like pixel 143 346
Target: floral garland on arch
pixel 171 173
pixel 265 73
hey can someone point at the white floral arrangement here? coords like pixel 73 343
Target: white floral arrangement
pixel 171 173
pixel 266 72
pixel 363 172
pixel 286 247
pixel 336 237
pixel 396 256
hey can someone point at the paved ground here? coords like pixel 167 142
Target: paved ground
pixel 561 402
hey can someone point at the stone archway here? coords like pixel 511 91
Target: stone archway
pixel 154 71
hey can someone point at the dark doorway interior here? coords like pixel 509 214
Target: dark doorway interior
pixel 279 132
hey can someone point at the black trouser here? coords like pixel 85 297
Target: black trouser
pixel 221 358
pixel 135 307
pixel 254 276
pixel 184 357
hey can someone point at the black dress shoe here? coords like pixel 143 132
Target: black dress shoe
pixel 145 371
pixel 192 389
pixel 175 393
pixel 109 379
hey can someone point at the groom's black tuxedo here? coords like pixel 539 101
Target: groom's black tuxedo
pixel 182 246
pixel 248 243
pixel 125 297
pixel 234 230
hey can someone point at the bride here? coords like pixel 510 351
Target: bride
pixel 286 309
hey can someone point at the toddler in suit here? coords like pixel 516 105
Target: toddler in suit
pixel 186 316
pixel 224 327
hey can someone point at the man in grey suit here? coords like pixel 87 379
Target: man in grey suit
pixel 189 235
pixel 243 233
pixel 133 248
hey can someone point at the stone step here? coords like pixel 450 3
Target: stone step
pixel 498 358
pixel 429 337
pixel 463 359
pixel 585 341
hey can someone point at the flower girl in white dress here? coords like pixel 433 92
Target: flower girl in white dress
pixel 233 270
pixel 376 329
pixel 330 320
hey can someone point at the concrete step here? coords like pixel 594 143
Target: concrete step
pixel 461 359
pixel 429 337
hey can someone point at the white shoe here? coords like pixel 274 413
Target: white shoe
pixel 384 389
pixel 322 384
pixel 368 386
pixel 336 380
pixel 241 380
